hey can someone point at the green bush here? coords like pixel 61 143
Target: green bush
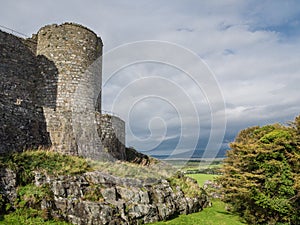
pixel 261 174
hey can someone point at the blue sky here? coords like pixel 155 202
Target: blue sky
pixel 252 48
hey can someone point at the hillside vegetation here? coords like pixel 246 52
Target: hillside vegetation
pixel 261 174
pixel 38 176
pixel 216 214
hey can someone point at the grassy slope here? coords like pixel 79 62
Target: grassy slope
pixel 54 163
pixel 60 164
pixel 215 215
pixel 28 216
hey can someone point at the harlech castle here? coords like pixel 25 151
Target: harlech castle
pixel 50 87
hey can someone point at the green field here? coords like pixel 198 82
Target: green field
pixel 215 215
pixel 201 178
pixel 195 164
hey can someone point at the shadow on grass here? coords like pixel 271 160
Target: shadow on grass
pixel 241 220
pixel 225 213
pixel 174 216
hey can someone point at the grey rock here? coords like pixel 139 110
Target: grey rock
pixel 8 184
pixel 129 204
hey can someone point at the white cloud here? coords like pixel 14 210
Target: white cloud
pixel 249 45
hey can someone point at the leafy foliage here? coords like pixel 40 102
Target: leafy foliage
pixel 261 174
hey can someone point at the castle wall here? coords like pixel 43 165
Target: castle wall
pixel 22 123
pixel 112 132
pixel 50 94
pixel 73 49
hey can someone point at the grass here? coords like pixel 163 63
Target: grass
pixel 217 214
pixel 188 186
pixel 157 170
pixel 28 216
pixel 201 178
pixel 196 165
pixel 42 160
pixel 58 164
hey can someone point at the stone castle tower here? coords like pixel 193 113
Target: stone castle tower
pixel 68 80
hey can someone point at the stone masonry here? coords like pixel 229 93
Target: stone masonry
pixel 111 131
pixel 51 94
pixel 22 122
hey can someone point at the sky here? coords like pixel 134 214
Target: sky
pixel 196 72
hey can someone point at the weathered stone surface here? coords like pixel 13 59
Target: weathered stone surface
pixel 73 49
pixel 136 157
pixel 123 200
pixel 8 184
pixel 111 130
pixel 22 122
pixel 119 201
pixel 50 94
pixel 212 189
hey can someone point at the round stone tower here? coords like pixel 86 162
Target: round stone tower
pixel 73 48
pixel 75 52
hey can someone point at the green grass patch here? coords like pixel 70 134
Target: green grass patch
pixel 209 216
pixel 59 164
pixel 201 178
pixel 26 216
pixel 31 196
pixel 159 170
pixel 50 162
pixel 217 214
pixel 208 166
pixel 94 193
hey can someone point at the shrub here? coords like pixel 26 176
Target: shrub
pixel 261 174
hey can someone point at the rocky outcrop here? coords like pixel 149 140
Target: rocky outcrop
pixel 8 185
pixel 212 189
pixel 99 198
pixel 134 156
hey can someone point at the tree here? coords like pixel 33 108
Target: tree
pixel 261 174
